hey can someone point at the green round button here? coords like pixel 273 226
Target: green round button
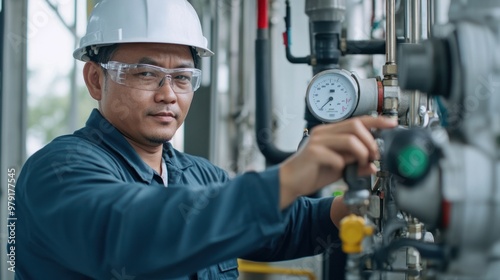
pixel 412 162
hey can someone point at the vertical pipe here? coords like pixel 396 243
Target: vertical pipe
pixel 408 22
pixel 262 15
pixel 214 119
pixel 390 82
pixel 430 23
pixel 416 23
pixel 430 17
pixel 441 8
pixel 263 96
pixel 390 47
pixel 73 106
pixel 414 30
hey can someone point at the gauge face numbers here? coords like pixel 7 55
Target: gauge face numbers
pixel 332 95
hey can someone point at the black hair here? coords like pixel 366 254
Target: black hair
pixel 196 57
pixel 103 55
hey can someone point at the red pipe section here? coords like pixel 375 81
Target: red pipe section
pixel 380 105
pixel 262 21
pixel 285 39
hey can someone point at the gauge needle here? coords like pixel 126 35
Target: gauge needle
pixel 328 101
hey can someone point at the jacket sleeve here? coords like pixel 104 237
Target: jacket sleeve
pixel 78 209
pixel 309 231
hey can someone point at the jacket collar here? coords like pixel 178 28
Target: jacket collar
pixel 101 132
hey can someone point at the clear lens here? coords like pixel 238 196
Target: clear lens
pixel 150 77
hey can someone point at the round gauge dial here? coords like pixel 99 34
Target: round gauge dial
pixel 332 95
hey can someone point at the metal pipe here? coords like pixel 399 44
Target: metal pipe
pixel 416 23
pixel 413 21
pixel 427 250
pixel 390 47
pixel 214 74
pixel 430 17
pixel 441 8
pixel 262 268
pixel 408 22
pixel 414 31
pixel 390 70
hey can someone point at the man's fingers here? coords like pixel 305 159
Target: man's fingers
pixel 346 144
pixel 363 170
pixel 378 122
pixel 368 122
pixel 359 127
pixel 367 169
pixel 323 158
pixel 327 157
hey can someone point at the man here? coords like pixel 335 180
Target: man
pixel 114 199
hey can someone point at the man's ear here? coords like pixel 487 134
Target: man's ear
pixel 94 79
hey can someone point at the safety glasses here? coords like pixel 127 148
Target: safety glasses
pixel 150 77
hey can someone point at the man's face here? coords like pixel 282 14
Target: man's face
pixel 147 117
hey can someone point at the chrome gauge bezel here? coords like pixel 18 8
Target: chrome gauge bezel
pixel 336 76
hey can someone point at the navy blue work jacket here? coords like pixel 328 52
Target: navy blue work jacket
pixel 88 207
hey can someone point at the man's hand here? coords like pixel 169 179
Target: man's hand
pixel 329 149
pixel 338 210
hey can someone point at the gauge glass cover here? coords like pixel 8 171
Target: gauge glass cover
pixel 332 95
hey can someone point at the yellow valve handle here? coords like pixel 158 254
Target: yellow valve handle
pixel 352 231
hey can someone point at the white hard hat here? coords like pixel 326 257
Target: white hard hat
pixel 143 21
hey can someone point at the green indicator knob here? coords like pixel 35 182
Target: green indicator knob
pixel 413 162
pixel 338 193
pixel 409 154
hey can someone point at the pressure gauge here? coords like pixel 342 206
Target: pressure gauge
pixel 332 95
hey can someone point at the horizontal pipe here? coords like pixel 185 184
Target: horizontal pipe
pixel 427 250
pixel 296 60
pixel 364 47
pixel 262 268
